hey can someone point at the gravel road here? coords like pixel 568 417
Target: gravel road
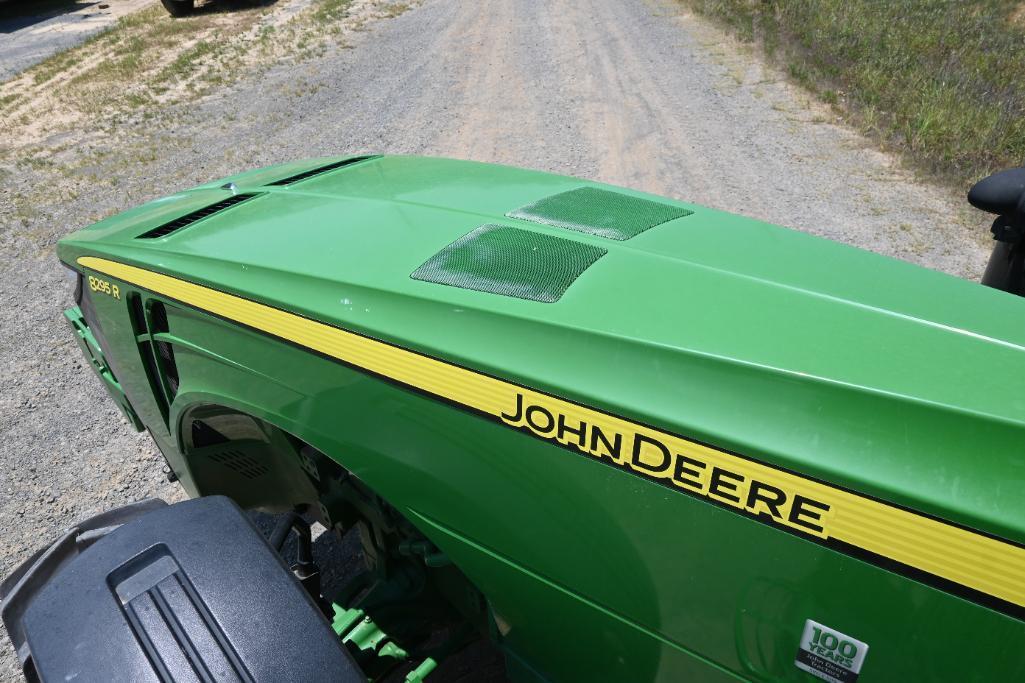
pixel 633 92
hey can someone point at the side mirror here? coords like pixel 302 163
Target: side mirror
pixel 1003 193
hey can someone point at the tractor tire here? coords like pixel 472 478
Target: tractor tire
pixel 178 8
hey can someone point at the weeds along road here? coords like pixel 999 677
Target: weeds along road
pixel 633 92
pixel 33 29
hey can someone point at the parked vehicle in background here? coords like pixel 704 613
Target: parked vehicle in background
pixel 178 8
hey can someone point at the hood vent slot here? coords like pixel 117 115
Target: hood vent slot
pixel 198 215
pixel 292 179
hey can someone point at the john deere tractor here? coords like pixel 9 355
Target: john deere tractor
pixel 623 437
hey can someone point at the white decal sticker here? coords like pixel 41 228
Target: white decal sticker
pixel 829 654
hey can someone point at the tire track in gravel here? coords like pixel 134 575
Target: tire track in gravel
pixel 633 92
pixel 622 110
pixel 497 91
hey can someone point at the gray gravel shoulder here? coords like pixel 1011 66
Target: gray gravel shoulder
pixel 632 92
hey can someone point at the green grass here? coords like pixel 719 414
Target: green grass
pixel 186 63
pixel 146 63
pixel 941 80
pixel 329 11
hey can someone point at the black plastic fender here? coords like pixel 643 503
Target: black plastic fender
pixel 151 592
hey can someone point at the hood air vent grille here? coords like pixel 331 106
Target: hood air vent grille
pixel 502 260
pixel 198 215
pixel 292 179
pixel 598 212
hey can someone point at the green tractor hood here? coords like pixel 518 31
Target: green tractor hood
pixel 850 370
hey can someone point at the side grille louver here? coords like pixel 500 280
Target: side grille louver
pixel 320 169
pixel 148 319
pixel 158 324
pixel 197 215
pixel 239 462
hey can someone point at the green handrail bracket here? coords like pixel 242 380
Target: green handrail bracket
pixel 94 354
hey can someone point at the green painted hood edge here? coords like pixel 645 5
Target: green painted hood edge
pixel 946 457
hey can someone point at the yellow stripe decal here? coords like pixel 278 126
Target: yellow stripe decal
pixel 986 566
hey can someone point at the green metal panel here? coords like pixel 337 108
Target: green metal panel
pixel 859 371
pixel 94 354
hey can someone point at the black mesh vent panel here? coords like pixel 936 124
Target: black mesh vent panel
pixel 613 215
pixel 238 461
pixel 171 368
pixel 511 262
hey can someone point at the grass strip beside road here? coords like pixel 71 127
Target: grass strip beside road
pixel 942 81
pixel 137 62
pixel 148 61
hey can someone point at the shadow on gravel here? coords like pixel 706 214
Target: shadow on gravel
pixel 211 7
pixel 18 14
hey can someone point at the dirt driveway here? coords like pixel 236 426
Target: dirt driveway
pixel 634 92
